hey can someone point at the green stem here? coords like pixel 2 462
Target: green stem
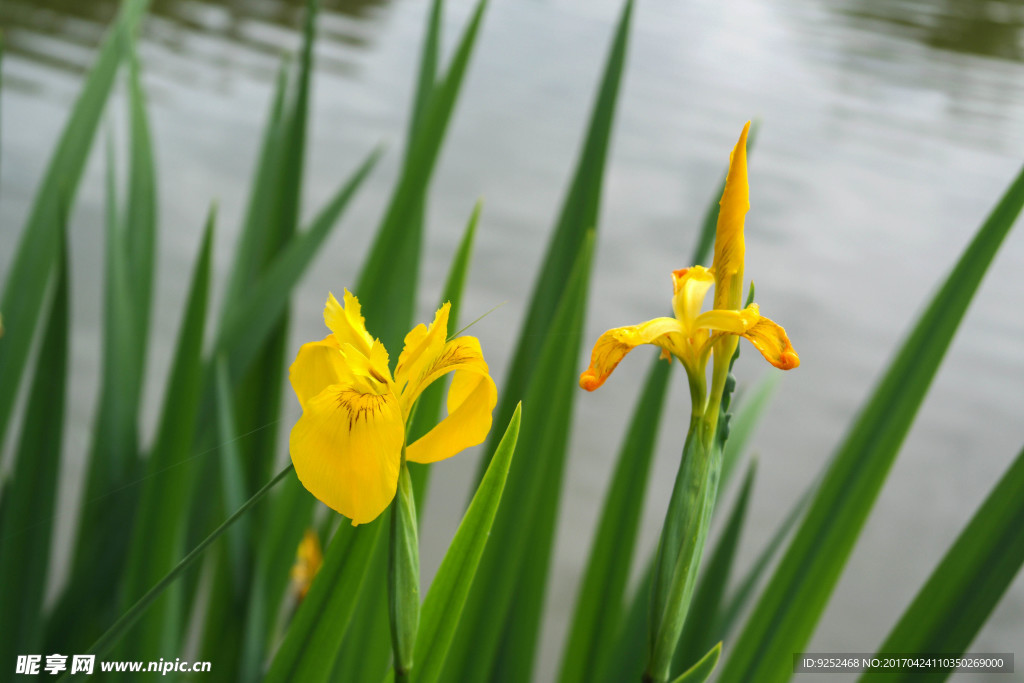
pixel 682 544
pixel 403 575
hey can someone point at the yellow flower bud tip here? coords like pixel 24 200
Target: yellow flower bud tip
pixel 347 446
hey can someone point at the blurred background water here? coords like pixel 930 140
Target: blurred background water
pixel 889 129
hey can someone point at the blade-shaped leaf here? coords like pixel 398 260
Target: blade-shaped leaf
pixel 602 597
pixel 442 608
pixel 158 538
pixel 579 214
pixel 508 594
pixel 702 670
pixel 36 254
pixel 388 301
pixel 312 641
pixel 965 587
pixel 26 522
pixel 789 609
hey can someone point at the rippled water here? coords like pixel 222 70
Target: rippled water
pixel 889 129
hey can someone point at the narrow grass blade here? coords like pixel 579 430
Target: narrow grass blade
pixel 158 537
pixel 602 598
pixel 26 522
pixel 312 641
pixel 36 254
pixel 702 670
pixel 579 214
pixel 388 301
pixel 792 603
pixel 113 635
pixel 503 611
pixel 968 583
pixel 447 596
pixel 699 632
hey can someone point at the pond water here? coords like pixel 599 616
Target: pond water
pixel 889 129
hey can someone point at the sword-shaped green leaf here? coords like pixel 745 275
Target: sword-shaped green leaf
pixel 785 616
pixel 965 587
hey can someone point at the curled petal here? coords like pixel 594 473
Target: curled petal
pixel 690 285
pixel 729 243
pixel 612 346
pixel 348 324
pixel 346 449
pixel 471 400
pixel 733 322
pixel 370 373
pixel 770 339
pixel 318 365
pixel 459 354
pixel 422 345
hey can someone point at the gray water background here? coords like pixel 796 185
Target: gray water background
pixel 889 130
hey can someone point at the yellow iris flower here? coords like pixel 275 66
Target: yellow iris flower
pixel 348 445
pixel 692 335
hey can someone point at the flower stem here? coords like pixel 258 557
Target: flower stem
pixel 682 544
pixel 403 575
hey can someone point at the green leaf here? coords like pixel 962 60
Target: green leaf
pixel 699 631
pixel 232 477
pixel 443 606
pixel 792 603
pixel 965 587
pixel 312 641
pixel 403 575
pixel 503 613
pixel 702 670
pixel 158 537
pixel 737 602
pixel 601 599
pixel 388 301
pixel 26 522
pixel 579 215
pixel 37 252
pixel 625 661
pixel 128 619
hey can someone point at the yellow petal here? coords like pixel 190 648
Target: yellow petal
pixel 770 339
pixel 347 447
pixel 733 322
pixel 459 354
pixel 729 245
pixel 317 366
pixel 612 346
pixel 690 285
pixel 471 400
pixel 348 324
pixel 370 374
pixel 422 345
